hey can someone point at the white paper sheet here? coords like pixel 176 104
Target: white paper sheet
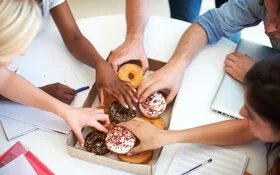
pixel 14 129
pixel 18 166
pixel 224 161
pixel 26 114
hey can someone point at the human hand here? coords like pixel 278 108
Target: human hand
pixel 150 136
pixel 237 65
pixel 131 49
pixel 78 118
pixel 168 77
pixel 107 79
pixel 60 92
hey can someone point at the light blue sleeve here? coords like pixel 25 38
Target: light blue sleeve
pixel 230 18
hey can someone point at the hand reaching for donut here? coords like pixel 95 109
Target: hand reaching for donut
pixel 150 136
pixel 131 49
pixel 168 77
pixel 237 65
pixel 78 118
pixel 107 80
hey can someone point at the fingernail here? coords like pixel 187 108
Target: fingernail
pixel 126 106
pixel 134 108
pixel 129 154
pixel 136 100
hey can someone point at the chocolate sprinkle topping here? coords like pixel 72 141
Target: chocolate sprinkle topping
pixel 117 113
pixel 95 143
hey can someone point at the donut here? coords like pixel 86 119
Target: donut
pixel 95 143
pixel 117 113
pixel 140 158
pixel 157 122
pixel 120 140
pixel 153 106
pixel 132 73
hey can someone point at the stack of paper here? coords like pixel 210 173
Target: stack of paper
pixel 14 129
pixel 224 161
pixel 17 160
pixel 33 116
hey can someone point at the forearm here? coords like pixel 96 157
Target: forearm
pixel 74 40
pixel 84 51
pixel 137 16
pixel 17 89
pixel 190 44
pixel 232 132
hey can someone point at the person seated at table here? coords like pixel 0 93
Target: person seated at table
pixel 230 18
pixel 20 21
pixel 261 114
pixel 83 50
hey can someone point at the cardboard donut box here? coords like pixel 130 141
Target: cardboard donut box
pixel 75 150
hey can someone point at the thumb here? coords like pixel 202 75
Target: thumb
pixel 101 96
pixel 135 150
pixel 170 96
pixel 144 64
pixel 115 67
pixel 79 137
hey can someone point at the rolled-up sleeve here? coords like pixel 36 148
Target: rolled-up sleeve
pixel 230 18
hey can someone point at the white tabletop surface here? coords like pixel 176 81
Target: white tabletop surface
pixel 191 108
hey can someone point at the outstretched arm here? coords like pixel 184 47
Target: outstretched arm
pixel 137 16
pixel 82 49
pixel 230 132
pixel 14 87
pixel 191 42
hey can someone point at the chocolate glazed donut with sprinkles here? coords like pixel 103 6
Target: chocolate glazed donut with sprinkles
pixel 95 143
pixel 117 113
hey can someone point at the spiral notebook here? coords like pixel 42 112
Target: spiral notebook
pixel 224 161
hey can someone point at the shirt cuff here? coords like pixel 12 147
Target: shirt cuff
pixel 207 21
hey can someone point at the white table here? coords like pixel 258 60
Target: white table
pixel 191 108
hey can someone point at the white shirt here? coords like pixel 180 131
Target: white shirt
pixel 47 6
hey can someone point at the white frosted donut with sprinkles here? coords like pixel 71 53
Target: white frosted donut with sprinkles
pixel 153 106
pixel 120 140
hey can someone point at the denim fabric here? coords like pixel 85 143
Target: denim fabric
pixel 232 17
pixel 186 10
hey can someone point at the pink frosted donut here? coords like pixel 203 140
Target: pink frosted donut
pixel 153 106
pixel 120 140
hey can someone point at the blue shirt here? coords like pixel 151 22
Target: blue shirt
pixel 232 17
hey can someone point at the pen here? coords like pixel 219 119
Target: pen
pixel 82 89
pixel 200 165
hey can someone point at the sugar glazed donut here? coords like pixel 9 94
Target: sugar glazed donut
pixel 153 106
pixel 157 122
pixel 140 158
pixel 120 140
pixel 95 143
pixel 132 73
pixel 117 113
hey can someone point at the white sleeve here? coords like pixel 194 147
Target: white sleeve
pixel 54 3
